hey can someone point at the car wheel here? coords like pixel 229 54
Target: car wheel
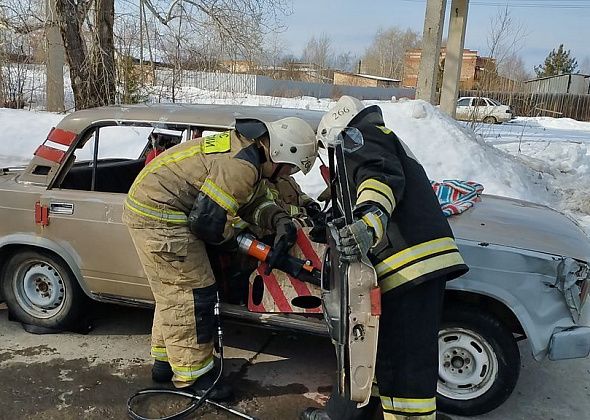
pixel 479 362
pixel 40 290
pixel 490 120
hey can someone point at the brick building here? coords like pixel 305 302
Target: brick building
pixel 471 68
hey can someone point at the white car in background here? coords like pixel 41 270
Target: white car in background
pixel 487 110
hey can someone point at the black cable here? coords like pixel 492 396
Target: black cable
pixel 196 401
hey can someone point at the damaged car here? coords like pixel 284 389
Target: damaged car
pixel 62 242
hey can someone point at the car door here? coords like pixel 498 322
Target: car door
pixel 463 109
pixel 351 298
pixel 481 109
pixel 85 216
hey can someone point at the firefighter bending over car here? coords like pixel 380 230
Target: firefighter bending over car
pixel 400 226
pixel 186 197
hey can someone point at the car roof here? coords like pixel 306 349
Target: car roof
pixel 169 115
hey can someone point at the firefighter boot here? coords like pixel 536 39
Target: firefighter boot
pixel 222 391
pixel 161 371
pixel 312 413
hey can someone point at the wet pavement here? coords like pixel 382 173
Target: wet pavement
pixel 275 374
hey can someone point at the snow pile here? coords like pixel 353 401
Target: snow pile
pixel 544 160
pixel 561 123
pixel 22 132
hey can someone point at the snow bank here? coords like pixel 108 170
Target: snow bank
pixel 22 132
pixel 544 160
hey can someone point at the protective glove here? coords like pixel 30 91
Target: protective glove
pixel 286 235
pixel 359 237
pixel 355 241
pixel 313 209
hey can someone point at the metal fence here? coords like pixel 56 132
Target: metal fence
pixel 192 86
pixel 541 104
pixel 224 82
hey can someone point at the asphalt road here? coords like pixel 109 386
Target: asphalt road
pixel 276 375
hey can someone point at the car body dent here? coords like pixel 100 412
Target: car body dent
pixel 524 255
pixel 526 282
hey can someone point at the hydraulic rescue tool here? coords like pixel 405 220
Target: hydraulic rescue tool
pixel 293 266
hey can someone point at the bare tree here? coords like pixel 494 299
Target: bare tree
pixel 505 40
pixel 22 16
pixel 346 61
pixel 92 60
pixel 319 52
pixel 385 56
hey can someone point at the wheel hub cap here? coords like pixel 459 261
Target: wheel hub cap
pixel 468 365
pixel 40 290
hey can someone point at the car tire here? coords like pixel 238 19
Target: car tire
pixel 40 290
pixel 479 362
pixel 490 120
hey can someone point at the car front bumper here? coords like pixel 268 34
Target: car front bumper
pixel 572 343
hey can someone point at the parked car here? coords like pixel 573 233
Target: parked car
pixel 486 110
pixel 62 241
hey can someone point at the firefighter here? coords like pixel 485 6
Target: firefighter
pixel 400 226
pixel 186 198
pixel 160 142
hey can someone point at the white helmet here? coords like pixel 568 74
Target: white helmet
pixel 337 118
pixel 292 141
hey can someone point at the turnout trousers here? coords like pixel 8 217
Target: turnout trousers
pixel 182 282
pixel 407 357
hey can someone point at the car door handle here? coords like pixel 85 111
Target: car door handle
pixel 61 208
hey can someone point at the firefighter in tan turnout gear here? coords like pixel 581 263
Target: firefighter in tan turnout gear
pixel 400 226
pixel 186 197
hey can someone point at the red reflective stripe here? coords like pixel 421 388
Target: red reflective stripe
pixel 49 153
pixel 307 249
pixel 375 301
pixel 60 136
pixel 302 290
pixel 272 285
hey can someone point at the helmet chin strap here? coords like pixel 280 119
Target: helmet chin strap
pixel 275 173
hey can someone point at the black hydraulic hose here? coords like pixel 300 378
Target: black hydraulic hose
pixel 196 401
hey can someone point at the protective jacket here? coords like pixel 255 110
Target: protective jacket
pixel 201 183
pixel 418 244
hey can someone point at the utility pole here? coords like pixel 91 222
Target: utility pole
pixel 54 68
pixel 429 59
pixel 454 57
pixel 141 16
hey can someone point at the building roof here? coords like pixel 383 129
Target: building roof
pixel 557 75
pixel 368 76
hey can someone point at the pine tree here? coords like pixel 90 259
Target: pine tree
pixel 557 62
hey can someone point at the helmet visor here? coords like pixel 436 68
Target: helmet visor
pixel 350 138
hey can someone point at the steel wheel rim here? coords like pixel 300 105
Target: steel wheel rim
pixel 39 289
pixel 468 365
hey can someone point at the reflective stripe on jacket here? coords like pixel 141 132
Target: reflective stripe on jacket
pixel 222 169
pixel 418 244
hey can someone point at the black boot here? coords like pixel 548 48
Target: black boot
pixel 312 413
pixel 222 391
pixel 161 371
pixel 441 416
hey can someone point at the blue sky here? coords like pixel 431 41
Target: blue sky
pixel 351 24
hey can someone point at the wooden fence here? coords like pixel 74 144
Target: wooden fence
pixel 541 104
